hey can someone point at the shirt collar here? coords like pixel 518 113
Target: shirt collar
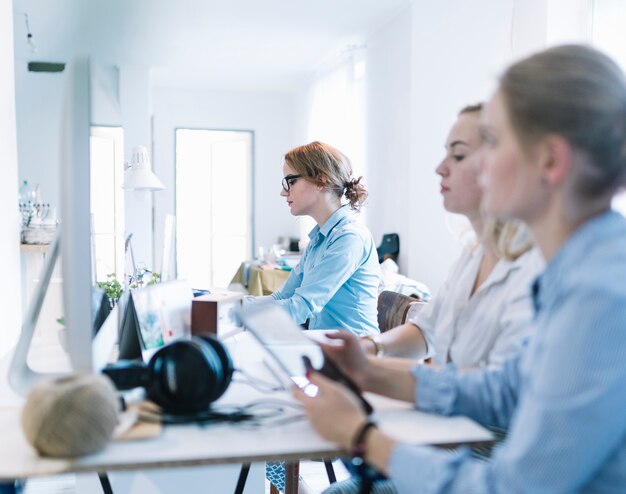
pixel 502 269
pixel 571 252
pixel 335 218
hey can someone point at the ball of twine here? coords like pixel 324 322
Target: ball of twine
pixel 70 416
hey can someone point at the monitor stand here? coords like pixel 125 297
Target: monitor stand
pixel 21 376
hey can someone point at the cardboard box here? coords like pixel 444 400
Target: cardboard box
pixel 215 312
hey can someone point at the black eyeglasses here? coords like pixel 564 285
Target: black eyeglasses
pixel 289 180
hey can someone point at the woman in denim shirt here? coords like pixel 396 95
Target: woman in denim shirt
pixel 335 284
pixel 555 155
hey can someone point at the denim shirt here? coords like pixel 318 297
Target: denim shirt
pixel 563 398
pixel 335 284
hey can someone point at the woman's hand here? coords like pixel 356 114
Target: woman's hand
pixel 335 412
pixel 349 356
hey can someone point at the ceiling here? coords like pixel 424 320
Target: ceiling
pixel 255 45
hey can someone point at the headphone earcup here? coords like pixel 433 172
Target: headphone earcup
pixel 226 363
pixel 184 377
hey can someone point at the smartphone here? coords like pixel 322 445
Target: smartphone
pixel 330 370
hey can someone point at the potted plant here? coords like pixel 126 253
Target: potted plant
pixel 112 287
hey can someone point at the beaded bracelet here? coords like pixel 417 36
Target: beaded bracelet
pixel 358 443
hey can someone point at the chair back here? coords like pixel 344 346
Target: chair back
pixel 393 308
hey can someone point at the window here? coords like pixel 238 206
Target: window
pixel 213 204
pixel 107 200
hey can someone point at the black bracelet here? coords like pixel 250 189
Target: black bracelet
pixel 358 443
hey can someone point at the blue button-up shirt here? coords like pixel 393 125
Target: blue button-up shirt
pixel 563 398
pixel 335 284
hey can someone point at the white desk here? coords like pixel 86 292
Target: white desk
pixel 189 445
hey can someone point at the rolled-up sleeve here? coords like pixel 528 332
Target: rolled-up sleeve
pixel 425 469
pixel 292 282
pixel 570 409
pixel 487 396
pixel 311 291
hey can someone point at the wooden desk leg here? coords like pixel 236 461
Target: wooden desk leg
pixel 106 485
pixel 292 474
pixel 243 476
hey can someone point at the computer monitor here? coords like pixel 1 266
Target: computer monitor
pixel 75 215
pixel 73 243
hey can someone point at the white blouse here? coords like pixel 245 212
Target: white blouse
pixel 485 328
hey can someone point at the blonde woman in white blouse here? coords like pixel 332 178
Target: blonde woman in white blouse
pixel 482 312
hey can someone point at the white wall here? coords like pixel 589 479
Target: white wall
pixel 269 116
pixel 422 66
pixel 39 102
pixel 458 48
pixel 10 290
pixel 136 111
pixel 388 133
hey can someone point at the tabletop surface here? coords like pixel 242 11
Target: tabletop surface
pixel 282 435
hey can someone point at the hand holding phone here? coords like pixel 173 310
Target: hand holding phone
pixel 331 371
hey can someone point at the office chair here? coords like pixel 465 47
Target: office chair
pixel 393 308
pixel 389 248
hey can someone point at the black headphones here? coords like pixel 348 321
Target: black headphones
pixel 183 377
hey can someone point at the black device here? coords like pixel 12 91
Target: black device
pixel 183 377
pixel 129 333
pixel 100 308
pixel 331 371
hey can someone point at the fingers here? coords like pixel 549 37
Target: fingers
pixel 299 395
pixel 333 349
pixel 341 335
pixel 319 380
pixel 311 402
pixel 323 384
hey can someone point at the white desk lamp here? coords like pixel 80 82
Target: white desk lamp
pixel 138 175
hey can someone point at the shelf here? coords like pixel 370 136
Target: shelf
pixel 34 248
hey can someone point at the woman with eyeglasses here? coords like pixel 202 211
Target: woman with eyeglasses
pixel 555 155
pixel 335 284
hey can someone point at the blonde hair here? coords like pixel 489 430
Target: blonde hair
pixel 330 168
pixel 578 93
pixel 510 238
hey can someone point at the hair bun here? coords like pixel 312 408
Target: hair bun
pixel 70 416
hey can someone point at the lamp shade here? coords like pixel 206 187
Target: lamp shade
pixel 139 176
